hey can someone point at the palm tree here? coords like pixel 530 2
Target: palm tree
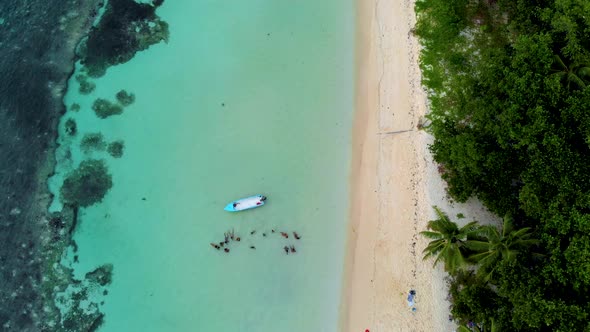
pixel 499 245
pixel 448 241
pixel 576 73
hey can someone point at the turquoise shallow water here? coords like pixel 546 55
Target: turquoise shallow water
pixel 248 97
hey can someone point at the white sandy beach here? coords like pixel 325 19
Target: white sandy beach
pixel 394 183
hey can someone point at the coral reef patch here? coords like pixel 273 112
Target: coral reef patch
pixel 104 108
pixel 126 27
pixel 86 185
pixel 70 127
pixel 37 58
pixel 125 98
pixel 71 305
pixel 77 300
pixel 92 142
pixel 115 149
pixel 86 87
pixel 103 275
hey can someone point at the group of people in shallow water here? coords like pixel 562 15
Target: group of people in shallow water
pixel 227 236
pixel 230 236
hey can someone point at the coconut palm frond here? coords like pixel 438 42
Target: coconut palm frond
pixel 431 235
pixel 477 246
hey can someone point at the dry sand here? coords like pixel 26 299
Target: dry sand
pixel 394 183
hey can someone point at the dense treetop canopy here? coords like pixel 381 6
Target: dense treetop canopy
pixel 508 84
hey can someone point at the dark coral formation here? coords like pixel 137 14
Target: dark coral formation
pixel 78 299
pixel 115 149
pixel 70 126
pixel 86 185
pixel 37 55
pixel 86 87
pixel 37 58
pixel 125 28
pixel 103 275
pixel 125 98
pixel 92 142
pixel 79 320
pixel 104 108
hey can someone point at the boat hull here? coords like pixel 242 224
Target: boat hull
pixel 247 203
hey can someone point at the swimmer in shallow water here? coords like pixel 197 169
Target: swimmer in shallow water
pixel 296 235
pixel 286 249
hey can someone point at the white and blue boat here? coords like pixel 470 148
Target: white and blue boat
pixel 246 203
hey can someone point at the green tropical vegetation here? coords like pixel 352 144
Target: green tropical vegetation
pixel 509 91
pixel 449 242
pixel 499 245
